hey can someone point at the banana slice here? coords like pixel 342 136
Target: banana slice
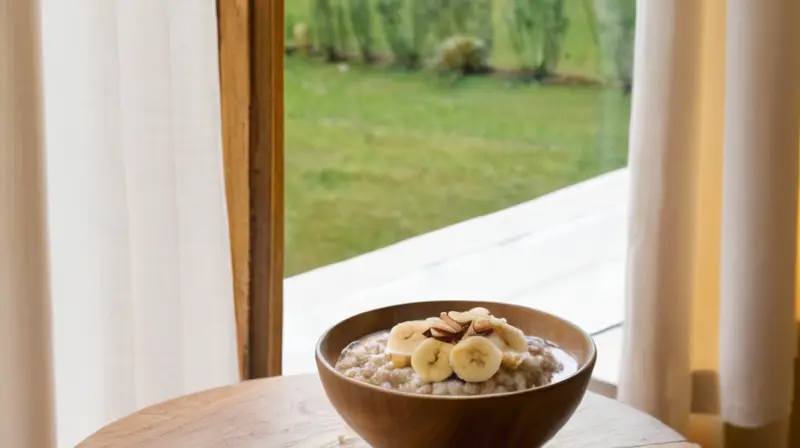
pixel 480 310
pixel 498 341
pixel 513 360
pixel 431 360
pixel 400 361
pixel 497 322
pixel 456 326
pixel 475 359
pixel 405 337
pixel 513 337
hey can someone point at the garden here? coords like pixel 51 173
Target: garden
pixel 404 116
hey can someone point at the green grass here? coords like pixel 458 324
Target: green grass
pixel 376 156
pixel 580 53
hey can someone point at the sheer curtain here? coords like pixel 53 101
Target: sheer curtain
pixel 710 329
pixel 26 397
pixel 142 295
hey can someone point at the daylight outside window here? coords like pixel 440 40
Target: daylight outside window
pixel 454 149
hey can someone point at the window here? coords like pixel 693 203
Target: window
pixel 446 148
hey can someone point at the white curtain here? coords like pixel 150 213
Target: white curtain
pixel 714 172
pixel 26 398
pixel 142 295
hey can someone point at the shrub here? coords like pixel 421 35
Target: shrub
pixel 616 26
pixel 462 55
pixel 474 18
pixel 361 24
pixel 523 22
pixel 300 37
pixel 329 28
pixel 391 14
pixel 537 29
pixel 407 27
pixel 462 18
pixel 555 29
pixel 422 15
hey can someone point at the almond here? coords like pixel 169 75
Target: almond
pixel 449 321
pixel 462 318
pixel 480 310
pixel 482 326
pixel 444 328
pixel 443 335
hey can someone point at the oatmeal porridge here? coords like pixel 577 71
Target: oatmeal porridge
pixel 469 353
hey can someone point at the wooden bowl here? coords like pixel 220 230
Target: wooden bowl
pixel 389 418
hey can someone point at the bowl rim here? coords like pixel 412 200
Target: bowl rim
pixel 587 365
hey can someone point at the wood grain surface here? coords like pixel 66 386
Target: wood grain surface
pixel 234 72
pixel 251 81
pixel 266 187
pixel 293 411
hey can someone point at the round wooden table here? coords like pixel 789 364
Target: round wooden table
pixel 292 411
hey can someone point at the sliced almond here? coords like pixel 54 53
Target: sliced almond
pixel 462 318
pixel 435 320
pixel 449 321
pixel 480 310
pixel 436 333
pixel 443 335
pixel 444 328
pixel 482 326
pixel 479 330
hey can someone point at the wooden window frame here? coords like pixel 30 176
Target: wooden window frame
pixel 251 48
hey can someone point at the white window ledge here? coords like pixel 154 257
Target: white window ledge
pixel 609 353
pixel 563 253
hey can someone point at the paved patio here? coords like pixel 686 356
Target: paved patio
pixel 563 253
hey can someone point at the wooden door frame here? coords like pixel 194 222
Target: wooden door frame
pixel 251 48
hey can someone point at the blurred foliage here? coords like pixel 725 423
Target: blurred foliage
pixel 462 55
pixel 537 29
pixel 361 24
pixel 615 22
pixel 464 18
pixel 329 28
pixel 536 39
pixel 407 26
pixel 556 24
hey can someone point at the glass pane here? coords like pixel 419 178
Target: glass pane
pixel 405 117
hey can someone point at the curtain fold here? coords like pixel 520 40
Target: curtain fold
pixel 663 129
pixel 142 283
pixel 759 212
pixel 711 293
pixel 26 401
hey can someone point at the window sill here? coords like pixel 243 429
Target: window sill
pixel 562 253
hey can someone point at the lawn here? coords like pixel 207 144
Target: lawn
pixel 375 156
